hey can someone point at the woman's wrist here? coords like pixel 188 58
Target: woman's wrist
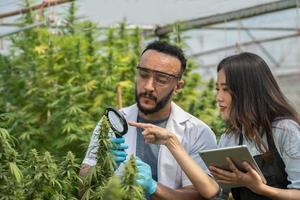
pixel 172 142
pixel 261 189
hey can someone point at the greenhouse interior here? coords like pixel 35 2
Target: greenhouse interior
pixel 63 62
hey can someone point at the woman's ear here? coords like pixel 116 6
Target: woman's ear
pixel 179 85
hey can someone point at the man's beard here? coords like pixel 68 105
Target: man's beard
pixel 159 105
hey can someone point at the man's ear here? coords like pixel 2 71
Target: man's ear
pixel 179 85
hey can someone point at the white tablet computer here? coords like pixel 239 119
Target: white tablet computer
pixel 238 154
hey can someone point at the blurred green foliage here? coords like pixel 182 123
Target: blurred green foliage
pixel 56 86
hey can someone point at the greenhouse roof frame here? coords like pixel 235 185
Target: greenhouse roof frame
pixel 229 16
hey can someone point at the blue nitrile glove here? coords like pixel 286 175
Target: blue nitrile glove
pixel 118 150
pixel 144 178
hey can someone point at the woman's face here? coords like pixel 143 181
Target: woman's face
pixel 223 95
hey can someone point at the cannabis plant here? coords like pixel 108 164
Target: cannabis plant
pixel 44 182
pixel 68 174
pixel 100 174
pixel 11 177
pixel 113 189
pixel 130 187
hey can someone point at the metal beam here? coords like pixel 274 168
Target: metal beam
pixel 245 28
pixel 35 7
pixel 22 29
pixel 245 44
pixel 11 24
pixel 259 44
pixel 229 16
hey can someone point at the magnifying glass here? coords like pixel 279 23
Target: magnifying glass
pixel 117 122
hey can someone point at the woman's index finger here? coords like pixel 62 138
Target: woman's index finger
pixel 140 125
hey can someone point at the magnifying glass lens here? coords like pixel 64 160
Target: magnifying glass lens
pixel 115 122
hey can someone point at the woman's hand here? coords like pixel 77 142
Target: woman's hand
pixel 153 134
pixel 250 179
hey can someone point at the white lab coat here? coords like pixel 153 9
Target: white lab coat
pixel 193 134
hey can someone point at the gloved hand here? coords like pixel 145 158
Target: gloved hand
pixel 144 178
pixel 118 150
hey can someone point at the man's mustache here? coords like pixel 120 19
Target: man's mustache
pixel 148 95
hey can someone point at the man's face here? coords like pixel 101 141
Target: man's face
pixel 157 81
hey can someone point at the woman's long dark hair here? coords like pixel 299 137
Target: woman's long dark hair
pixel 256 97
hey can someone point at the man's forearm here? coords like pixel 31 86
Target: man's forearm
pixel 166 193
pixel 83 172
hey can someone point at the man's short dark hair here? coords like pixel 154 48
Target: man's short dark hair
pixel 169 49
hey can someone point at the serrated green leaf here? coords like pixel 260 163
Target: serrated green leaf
pixel 15 171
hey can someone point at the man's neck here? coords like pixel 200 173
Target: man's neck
pixel 161 114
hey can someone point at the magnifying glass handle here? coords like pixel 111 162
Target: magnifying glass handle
pixel 118 135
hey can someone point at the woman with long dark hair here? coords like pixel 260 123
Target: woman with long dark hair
pixel 259 116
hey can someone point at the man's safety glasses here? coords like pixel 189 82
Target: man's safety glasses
pixel 161 78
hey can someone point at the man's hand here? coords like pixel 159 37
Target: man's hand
pixel 118 150
pixel 144 178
